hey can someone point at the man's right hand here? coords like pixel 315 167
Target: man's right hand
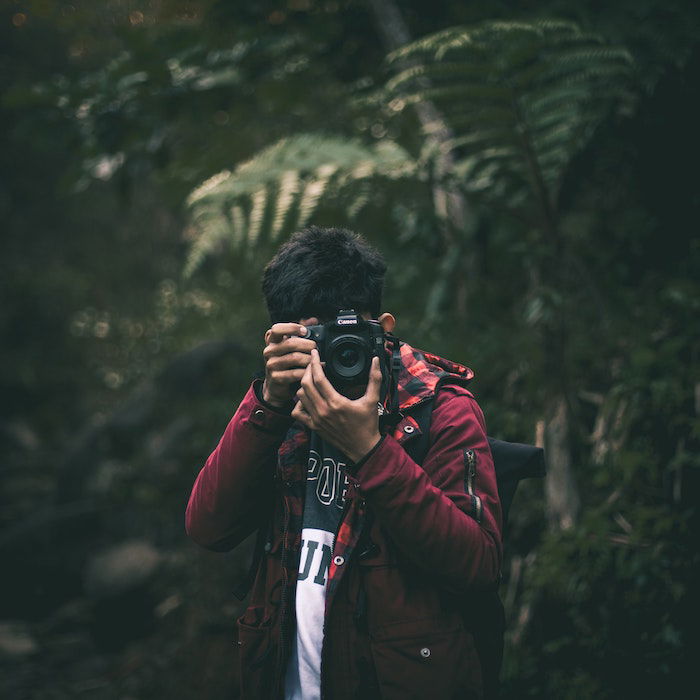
pixel 287 354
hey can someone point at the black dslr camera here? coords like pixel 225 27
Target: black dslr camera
pixel 347 346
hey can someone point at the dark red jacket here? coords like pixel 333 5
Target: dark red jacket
pixel 413 543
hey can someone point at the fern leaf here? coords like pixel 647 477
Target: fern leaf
pixel 259 200
pixel 313 192
pixel 522 98
pixel 282 187
pixel 435 72
pixel 288 188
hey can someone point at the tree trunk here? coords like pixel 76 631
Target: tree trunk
pixel 563 503
pixel 451 207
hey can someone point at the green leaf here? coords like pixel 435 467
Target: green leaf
pixel 520 97
pixel 281 188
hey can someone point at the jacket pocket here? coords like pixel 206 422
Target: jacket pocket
pixel 421 659
pixel 255 655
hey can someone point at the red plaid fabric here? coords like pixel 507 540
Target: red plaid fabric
pixel 345 542
pixel 421 372
pixel 291 460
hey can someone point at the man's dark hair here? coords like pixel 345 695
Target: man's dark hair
pixel 320 271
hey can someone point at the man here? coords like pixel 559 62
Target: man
pixel 369 557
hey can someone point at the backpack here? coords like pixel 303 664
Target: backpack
pixel 512 462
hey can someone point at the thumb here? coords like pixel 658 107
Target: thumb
pixel 375 382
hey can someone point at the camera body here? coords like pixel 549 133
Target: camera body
pixel 347 345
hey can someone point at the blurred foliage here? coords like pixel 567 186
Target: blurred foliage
pixel 520 97
pixel 280 189
pixel 114 112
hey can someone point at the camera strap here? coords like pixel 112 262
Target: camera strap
pixel 392 415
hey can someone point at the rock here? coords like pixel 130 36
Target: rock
pixel 120 569
pixel 16 641
pixel 22 434
pixel 120 582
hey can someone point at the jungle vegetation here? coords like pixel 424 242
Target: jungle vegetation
pixel 529 170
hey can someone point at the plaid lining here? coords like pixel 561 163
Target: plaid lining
pixel 291 452
pixel 345 543
pixel 421 372
pixel 292 457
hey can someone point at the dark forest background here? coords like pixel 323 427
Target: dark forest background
pixel 529 170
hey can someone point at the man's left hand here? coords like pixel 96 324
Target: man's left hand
pixel 350 425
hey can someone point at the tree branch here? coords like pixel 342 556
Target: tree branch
pixel 451 207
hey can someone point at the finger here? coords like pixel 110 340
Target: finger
pixel 277 333
pixel 287 376
pixel 291 344
pixel 298 413
pixel 308 394
pixel 375 382
pixel 305 404
pixel 292 360
pixel 321 384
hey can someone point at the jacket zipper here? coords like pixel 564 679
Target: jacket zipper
pixel 470 459
pixel 346 507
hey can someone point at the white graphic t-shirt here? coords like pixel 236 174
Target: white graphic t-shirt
pixel 326 486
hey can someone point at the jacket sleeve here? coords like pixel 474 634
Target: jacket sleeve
pixel 230 493
pixel 440 516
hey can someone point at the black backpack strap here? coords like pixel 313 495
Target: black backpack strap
pixel 261 539
pixel 390 414
pixel 487 622
pixel 513 462
pixel 243 587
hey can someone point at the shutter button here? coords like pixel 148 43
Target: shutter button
pixel 408 429
pixel 425 652
pixel 339 561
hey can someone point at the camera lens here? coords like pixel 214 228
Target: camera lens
pixel 348 357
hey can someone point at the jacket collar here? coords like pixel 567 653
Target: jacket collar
pixel 421 372
pixel 419 377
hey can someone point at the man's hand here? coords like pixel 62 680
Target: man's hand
pixel 287 355
pixel 351 426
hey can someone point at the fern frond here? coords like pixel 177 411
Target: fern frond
pixel 314 190
pixel 289 185
pixel 522 98
pixel 482 140
pixel 282 187
pixel 474 91
pixel 435 72
pixel 259 200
